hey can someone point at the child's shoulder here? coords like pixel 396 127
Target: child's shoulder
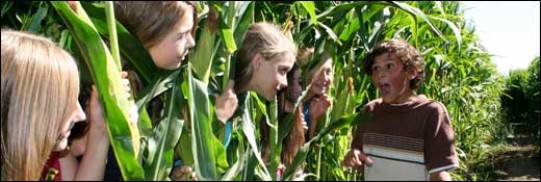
pixel 432 104
pixel 420 102
pixel 434 107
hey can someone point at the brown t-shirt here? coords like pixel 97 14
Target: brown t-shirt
pixel 416 133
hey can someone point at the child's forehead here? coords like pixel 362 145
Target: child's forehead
pixel 185 22
pixel 386 57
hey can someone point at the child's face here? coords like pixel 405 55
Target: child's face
pixel 295 87
pixel 269 76
pixel 322 80
pixel 77 116
pixel 391 78
pixel 169 52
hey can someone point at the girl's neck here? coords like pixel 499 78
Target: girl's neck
pixel 309 96
pixel 241 89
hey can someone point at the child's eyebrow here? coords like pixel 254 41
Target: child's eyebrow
pixel 184 31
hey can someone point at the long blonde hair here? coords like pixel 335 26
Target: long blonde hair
pixel 265 39
pixel 40 86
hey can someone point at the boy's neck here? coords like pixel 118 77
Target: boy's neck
pixel 404 98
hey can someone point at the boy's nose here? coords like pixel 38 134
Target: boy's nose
pixel 381 74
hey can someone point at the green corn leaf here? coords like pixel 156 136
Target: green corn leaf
pixel 276 146
pixel 201 58
pixel 113 40
pixel 226 31
pixel 248 129
pixel 309 6
pixel 166 135
pixel 454 28
pixel 123 133
pixel 415 12
pixel 130 47
pixel 209 153
pixel 35 23
pixel 349 120
pixel 245 21
pixel 339 8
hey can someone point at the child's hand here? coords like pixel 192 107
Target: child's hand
pixel 96 119
pixel 226 104
pixel 356 159
pixel 133 115
pixel 98 128
pixel 319 106
pixel 183 173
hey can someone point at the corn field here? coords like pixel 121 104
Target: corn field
pixel 459 73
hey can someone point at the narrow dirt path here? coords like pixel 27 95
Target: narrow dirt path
pixel 520 163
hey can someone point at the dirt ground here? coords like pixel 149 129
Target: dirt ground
pixel 517 163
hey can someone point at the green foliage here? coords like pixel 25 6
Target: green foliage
pixel 459 73
pixel 123 131
pixel 521 100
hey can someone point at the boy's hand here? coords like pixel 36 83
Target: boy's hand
pixel 356 159
pixel 226 104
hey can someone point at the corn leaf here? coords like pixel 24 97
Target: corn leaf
pixel 123 133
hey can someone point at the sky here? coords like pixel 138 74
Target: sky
pixel 508 30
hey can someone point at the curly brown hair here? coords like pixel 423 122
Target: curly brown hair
pixel 406 53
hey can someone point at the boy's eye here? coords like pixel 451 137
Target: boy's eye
pixel 375 68
pixel 389 66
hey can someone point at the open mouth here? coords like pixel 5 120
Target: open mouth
pixel 183 55
pixel 322 88
pixel 385 88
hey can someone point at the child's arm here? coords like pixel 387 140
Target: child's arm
pixel 440 154
pixel 355 158
pixel 440 176
pixel 226 104
pixel 92 166
pixel 318 108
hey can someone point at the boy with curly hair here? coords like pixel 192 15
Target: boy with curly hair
pixel 409 136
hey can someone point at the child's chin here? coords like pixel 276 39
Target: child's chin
pixel 269 96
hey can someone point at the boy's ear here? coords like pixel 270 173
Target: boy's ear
pixel 411 72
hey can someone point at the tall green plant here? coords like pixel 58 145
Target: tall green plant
pixel 122 126
pixel 459 73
